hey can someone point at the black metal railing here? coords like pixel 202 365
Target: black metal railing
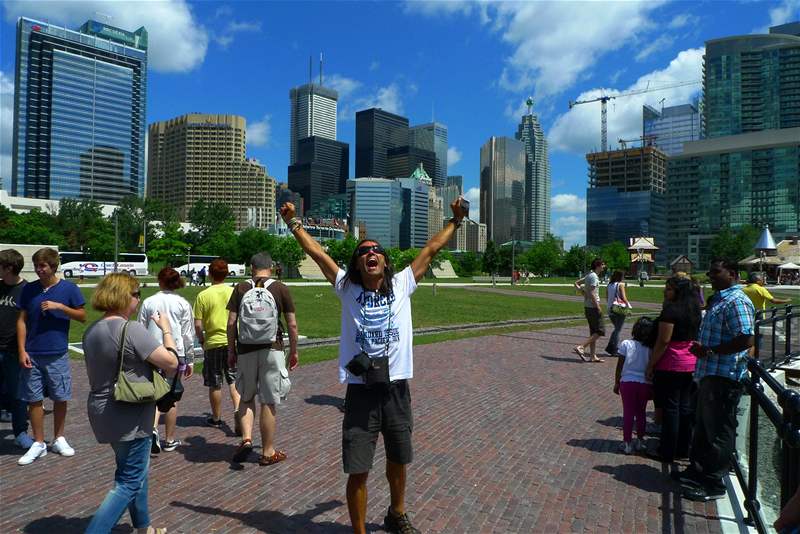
pixel 774 417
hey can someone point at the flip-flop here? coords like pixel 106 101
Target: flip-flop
pixel 277 456
pixel 598 360
pixel 579 352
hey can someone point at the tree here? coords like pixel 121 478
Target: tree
pixel 467 264
pixel 289 252
pixel 490 262
pixel 221 241
pixel 544 257
pixel 576 261
pixel 734 245
pixel 170 243
pixel 77 219
pixel 209 216
pixel 34 227
pixel 252 241
pixel 616 256
pixel 341 250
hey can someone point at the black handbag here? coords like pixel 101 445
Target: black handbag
pixel 167 402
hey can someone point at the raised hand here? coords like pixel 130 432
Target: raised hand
pixel 287 212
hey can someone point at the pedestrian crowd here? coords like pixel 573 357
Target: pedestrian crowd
pixel 136 362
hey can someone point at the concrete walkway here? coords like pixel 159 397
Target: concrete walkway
pixel 555 296
pixel 512 433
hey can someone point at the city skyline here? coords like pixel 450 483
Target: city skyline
pixel 477 88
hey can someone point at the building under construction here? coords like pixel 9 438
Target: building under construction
pixel 625 197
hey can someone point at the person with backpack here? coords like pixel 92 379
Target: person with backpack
pixel 376 360
pixel 255 347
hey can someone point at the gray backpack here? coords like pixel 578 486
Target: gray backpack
pixel 258 315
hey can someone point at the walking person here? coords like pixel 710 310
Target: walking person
pixel 202 276
pixel 375 360
pixel 618 308
pixel 11 285
pixel 724 340
pixel 210 325
pixel 179 313
pixel 47 306
pixel 127 427
pixel 633 385
pixel 672 365
pixel 589 285
pixel 256 349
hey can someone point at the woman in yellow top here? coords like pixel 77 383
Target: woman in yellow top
pixel 759 294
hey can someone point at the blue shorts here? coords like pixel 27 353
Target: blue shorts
pixel 49 377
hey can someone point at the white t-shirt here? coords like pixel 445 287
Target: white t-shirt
pixel 181 322
pixel 366 314
pixel 636 357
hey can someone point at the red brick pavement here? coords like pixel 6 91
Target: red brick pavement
pixel 512 434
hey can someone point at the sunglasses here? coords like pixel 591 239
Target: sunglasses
pixel 370 248
pixel 137 294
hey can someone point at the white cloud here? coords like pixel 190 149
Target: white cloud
pixel 570 228
pixel 568 203
pixel 342 84
pixel 556 43
pixel 473 194
pixel 6 128
pixel 259 133
pixel 453 156
pixel 387 98
pixel 225 37
pixel 682 20
pixel 787 11
pixel 578 130
pixel 657 45
pixel 375 65
pixel 177 40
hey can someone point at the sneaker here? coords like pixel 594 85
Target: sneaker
pixel 703 494
pixel 5 416
pixel 23 441
pixel 37 450
pixel 155 446
pixel 626 447
pixel 216 423
pixel 638 445
pixel 61 447
pixel 399 524
pixel 171 445
pixel 243 452
pixel 237 423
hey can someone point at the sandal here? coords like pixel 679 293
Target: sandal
pixel 278 456
pixel 579 351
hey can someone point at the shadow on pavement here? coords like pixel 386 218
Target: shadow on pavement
pixel 197 449
pixel 59 523
pixel 613 422
pixel 645 477
pixel 564 359
pixel 596 445
pixel 191 420
pixel 324 400
pixel 277 522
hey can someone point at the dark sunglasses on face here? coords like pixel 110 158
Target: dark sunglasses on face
pixel 370 248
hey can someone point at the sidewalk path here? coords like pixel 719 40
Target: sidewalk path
pixel 512 434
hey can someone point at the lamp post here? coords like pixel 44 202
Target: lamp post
pixel 765 246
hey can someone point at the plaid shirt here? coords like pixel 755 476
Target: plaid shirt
pixel 730 315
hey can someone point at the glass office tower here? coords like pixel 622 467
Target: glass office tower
pixel 671 127
pixel 79 112
pixel 433 137
pixel 502 187
pixel 537 176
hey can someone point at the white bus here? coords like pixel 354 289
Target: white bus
pixel 234 269
pixel 75 264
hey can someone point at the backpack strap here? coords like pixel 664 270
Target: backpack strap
pixel 268 282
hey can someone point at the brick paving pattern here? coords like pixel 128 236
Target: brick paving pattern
pixel 512 434
pixel 556 296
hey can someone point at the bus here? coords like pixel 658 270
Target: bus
pixel 198 261
pixel 79 264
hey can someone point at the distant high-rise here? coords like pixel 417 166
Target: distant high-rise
pixel 671 127
pixel 537 176
pixel 402 161
pixel 502 185
pixel 376 132
pixel 313 113
pixel 432 137
pixel 457 181
pixel 322 170
pixel 376 206
pixel 79 112
pixel 199 156
pixel 625 197
pixel 414 222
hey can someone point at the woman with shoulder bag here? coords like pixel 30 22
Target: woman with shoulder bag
pixel 126 426
pixel 618 309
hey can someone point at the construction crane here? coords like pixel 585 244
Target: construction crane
pixel 604 105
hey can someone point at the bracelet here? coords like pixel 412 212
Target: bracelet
pixel 294 223
pixel 168 332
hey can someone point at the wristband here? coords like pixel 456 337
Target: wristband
pixel 168 332
pixel 294 223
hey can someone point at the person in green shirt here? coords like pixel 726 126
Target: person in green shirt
pixel 758 294
pixel 210 325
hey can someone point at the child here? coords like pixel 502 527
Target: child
pixel 631 383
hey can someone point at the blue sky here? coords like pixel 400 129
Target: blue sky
pixel 470 65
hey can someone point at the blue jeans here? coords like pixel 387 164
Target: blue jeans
pixel 613 342
pixel 11 401
pixel 130 488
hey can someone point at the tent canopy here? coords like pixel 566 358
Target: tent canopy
pixel 790 265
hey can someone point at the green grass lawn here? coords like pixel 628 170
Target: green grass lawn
pixel 318 308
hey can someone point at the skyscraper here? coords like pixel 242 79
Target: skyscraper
pixel 432 137
pixel 457 181
pixel 376 205
pixel 747 169
pixel 322 170
pixel 79 111
pixel 671 127
pixel 537 176
pixel 313 113
pixel 502 186
pixel 376 132
pixel 402 161
pixel 414 222
pixel 199 156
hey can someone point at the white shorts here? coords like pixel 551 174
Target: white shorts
pixel 263 372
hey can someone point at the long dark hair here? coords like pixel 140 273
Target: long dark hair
pixel 685 302
pixel 353 275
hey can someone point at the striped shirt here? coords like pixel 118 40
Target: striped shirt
pixel 729 316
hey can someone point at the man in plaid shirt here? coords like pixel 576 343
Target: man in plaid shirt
pixel 726 335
